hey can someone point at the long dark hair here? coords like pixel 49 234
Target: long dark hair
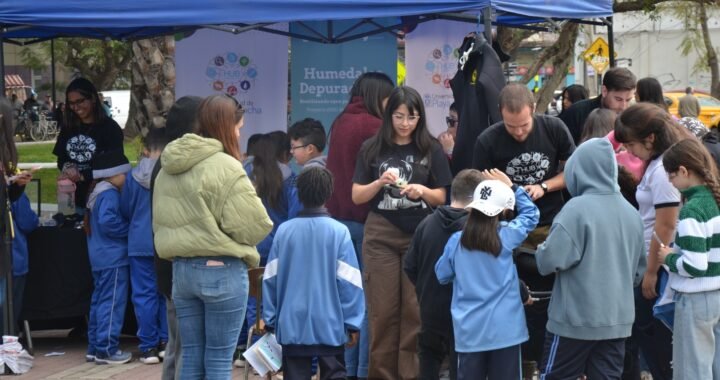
pixel 649 90
pixel 644 119
pixel 575 93
pixel 373 87
pixel 383 141
pixel 691 154
pixel 481 233
pixel 8 152
pixel 266 173
pixel 88 91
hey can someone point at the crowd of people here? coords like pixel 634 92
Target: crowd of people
pixel 379 261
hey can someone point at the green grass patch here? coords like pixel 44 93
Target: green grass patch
pixel 32 153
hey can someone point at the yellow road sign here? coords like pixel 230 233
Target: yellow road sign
pixel 598 55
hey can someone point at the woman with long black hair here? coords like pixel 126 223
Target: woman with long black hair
pixel 402 172
pixel 86 132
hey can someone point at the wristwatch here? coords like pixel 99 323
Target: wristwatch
pixel 544 186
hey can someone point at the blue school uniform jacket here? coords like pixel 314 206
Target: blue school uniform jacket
pixel 25 221
pixel 135 207
pixel 107 242
pixel 486 308
pixel 312 287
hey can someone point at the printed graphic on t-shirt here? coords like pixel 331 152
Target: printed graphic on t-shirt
pixel 528 168
pixel 392 200
pixel 81 149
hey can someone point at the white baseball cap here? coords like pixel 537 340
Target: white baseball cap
pixel 491 197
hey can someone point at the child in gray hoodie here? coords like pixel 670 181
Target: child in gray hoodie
pixel 596 250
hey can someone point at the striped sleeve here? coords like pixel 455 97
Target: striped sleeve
pixel 700 247
pixel 349 281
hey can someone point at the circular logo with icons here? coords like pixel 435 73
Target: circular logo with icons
pixel 441 65
pixel 231 73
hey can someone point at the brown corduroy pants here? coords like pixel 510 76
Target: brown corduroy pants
pixel 393 312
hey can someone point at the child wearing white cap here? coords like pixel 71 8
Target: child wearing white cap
pixel 487 311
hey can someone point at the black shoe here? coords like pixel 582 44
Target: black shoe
pixel 161 349
pixel 150 356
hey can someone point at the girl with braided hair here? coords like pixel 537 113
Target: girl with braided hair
pixel 694 263
pixel 647 131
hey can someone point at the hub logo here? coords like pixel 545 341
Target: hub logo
pixel 441 65
pixel 231 73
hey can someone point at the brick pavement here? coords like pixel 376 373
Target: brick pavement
pixel 72 365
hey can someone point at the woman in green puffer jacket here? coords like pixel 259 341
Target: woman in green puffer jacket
pixel 207 219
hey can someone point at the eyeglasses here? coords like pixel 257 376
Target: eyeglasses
pixel 452 122
pixel 412 119
pixel 77 102
pixel 292 148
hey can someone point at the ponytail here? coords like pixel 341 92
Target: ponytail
pixel 711 180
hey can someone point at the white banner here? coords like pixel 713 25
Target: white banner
pixel 431 55
pixel 251 66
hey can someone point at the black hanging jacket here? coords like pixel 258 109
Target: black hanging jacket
pixel 476 89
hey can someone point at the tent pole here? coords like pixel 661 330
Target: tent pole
pixel 611 41
pixel 2 67
pixel 487 20
pixel 52 70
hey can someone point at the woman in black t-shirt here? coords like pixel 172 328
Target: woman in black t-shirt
pixel 87 131
pixel 402 172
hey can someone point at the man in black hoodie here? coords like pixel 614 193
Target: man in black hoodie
pixel 435 340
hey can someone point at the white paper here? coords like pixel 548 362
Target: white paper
pixel 265 355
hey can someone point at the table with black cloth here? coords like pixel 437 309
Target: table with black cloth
pixel 59 282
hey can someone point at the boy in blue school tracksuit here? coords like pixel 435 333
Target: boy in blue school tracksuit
pixel 312 287
pixel 107 233
pixel 487 311
pixel 25 221
pixel 135 207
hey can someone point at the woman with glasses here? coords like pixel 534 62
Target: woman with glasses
pixel 207 219
pixel 87 131
pixel 401 173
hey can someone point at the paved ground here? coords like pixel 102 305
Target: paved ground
pixel 72 365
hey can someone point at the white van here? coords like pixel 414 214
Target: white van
pixel 119 102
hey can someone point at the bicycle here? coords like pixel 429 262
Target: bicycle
pixel 29 129
pixel 48 125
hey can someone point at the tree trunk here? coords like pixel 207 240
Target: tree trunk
pixel 510 38
pixel 153 84
pixel 712 58
pixel 561 63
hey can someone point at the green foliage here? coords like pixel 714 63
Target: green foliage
pixel 105 63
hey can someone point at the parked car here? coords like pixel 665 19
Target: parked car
pixel 709 106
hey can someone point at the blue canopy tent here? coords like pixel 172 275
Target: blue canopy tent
pixel 29 21
pixel 134 19
pixel 25 22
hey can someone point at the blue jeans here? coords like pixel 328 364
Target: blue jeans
pixel 356 357
pixel 696 343
pixel 210 296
